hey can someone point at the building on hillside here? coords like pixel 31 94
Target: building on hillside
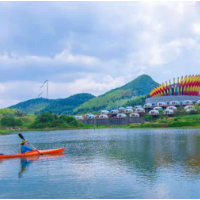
pixel 134 115
pixel 91 117
pixel 121 109
pixel 188 107
pixel 103 116
pixel 121 115
pixel 190 110
pixel 174 108
pixel 129 107
pixel 187 88
pixel 168 112
pixel 147 106
pixel 187 102
pixel 158 109
pixel 161 104
pixel 153 113
pixel 140 110
pixel 78 117
pixel 138 106
pixel 104 112
pixel 128 111
pixel 88 114
pixel 174 103
pixel 113 113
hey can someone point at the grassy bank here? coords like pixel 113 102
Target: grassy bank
pixel 180 121
pixel 189 121
pixel 8 131
pixel 5 132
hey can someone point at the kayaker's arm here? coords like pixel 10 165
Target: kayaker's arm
pixel 29 147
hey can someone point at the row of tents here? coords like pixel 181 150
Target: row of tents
pixel 136 111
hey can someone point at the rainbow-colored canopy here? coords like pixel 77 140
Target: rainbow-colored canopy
pixel 190 85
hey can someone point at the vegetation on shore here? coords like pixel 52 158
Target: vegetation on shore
pixel 11 120
pixel 179 121
pixel 52 120
pixel 45 120
pixel 7 112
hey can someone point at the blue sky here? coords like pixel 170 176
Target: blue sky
pixel 93 46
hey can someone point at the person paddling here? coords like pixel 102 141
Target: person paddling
pixel 23 147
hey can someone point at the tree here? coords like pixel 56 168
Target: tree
pixel 196 106
pixel 52 120
pixel 10 121
pixel 18 122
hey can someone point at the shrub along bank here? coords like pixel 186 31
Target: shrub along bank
pixel 171 122
pixel 45 120
pixel 11 122
pixel 52 120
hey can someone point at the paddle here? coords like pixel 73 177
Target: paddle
pixel 22 137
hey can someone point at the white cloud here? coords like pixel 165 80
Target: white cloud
pixel 94 46
pixel 89 84
pixel 167 72
pixel 14 92
pixel 65 57
pixel 196 28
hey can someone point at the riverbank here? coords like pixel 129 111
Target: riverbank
pixel 9 131
pixel 181 121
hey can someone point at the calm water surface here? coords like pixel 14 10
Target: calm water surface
pixel 107 163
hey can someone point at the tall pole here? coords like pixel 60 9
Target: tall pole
pixel 47 89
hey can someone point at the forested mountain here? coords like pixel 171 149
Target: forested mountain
pixel 130 94
pixel 32 105
pixel 142 85
pixel 66 106
pixel 58 106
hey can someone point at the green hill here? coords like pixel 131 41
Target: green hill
pixel 129 94
pixel 32 105
pixel 66 106
pixel 142 85
pixel 57 106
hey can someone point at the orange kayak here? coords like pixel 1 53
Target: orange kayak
pixel 33 153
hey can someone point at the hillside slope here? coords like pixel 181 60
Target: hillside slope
pixel 57 106
pixel 142 85
pixel 32 105
pixel 66 106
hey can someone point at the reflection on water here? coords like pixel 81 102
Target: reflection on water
pixel 26 161
pixel 108 163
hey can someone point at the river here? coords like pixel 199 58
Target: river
pixel 104 163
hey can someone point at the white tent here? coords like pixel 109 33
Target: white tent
pixel 134 115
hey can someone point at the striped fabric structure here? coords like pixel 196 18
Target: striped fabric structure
pixel 189 85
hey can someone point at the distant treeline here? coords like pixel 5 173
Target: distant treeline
pixel 56 106
pixel 7 112
pixel 44 120
pixel 52 120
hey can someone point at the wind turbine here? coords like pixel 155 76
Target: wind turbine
pixel 40 94
pixel 47 88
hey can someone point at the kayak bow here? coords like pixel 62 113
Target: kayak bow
pixel 33 153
